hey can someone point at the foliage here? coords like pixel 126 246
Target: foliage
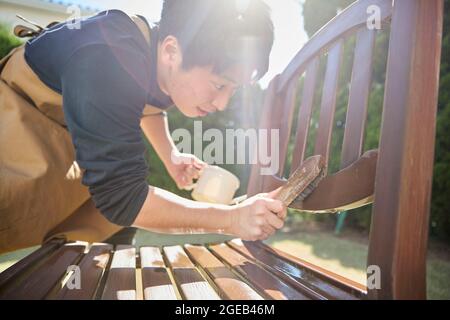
pixel 7 40
pixel 440 206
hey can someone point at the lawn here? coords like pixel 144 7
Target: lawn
pixel 345 254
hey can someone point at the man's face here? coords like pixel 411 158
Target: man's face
pixel 198 91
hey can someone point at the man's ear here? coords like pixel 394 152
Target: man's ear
pixel 170 52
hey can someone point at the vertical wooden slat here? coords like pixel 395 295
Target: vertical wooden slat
pixel 277 117
pixel 256 179
pixel 121 282
pixel 41 281
pixel 280 122
pixel 191 283
pixel 304 114
pixel 399 229
pixel 351 17
pixel 92 268
pixel 266 284
pixel 155 279
pixel 328 104
pixel 285 115
pixel 358 97
pixel 231 287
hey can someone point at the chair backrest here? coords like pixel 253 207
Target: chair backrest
pixel 396 177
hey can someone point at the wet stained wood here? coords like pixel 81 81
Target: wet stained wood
pixel 349 188
pixel 328 104
pixel 314 281
pixel 256 179
pixel 32 260
pixel 264 282
pixel 230 286
pixel 92 267
pixel 156 281
pixel 399 230
pixel 304 114
pixel 191 283
pixel 42 280
pixel 121 278
pixel 345 23
pixel 358 97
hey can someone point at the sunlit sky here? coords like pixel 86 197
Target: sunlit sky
pixel 286 15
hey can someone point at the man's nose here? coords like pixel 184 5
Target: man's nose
pixel 220 102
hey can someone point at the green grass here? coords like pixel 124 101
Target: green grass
pixel 345 255
pixel 333 253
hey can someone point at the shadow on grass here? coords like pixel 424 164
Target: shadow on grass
pixel 147 238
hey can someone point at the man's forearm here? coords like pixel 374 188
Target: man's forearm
pixel 156 129
pixel 166 212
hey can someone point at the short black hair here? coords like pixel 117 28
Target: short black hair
pixel 220 33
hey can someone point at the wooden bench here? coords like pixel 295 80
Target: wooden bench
pixel 233 270
pixel 396 178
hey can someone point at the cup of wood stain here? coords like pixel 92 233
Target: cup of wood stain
pixel 215 185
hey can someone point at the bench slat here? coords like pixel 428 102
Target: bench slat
pixel 40 282
pixel 358 97
pixel 92 268
pixel 256 180
pixel 328 104
pixel 300 276
pixel 191 283
pixel 304 114
pixel 355 289
pixel 285 113
pixel 33 259
pixel 121 281
pixel 231 287
pixel 352 17
pixel 266 283
pixel 155 278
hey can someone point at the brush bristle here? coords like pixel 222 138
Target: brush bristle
pixel 310 188
pixel 303 180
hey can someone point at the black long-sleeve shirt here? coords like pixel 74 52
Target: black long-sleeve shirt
pixel 106 73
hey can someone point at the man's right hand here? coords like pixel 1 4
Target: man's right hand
pixel 258 217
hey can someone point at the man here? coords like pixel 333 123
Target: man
pixel 113 76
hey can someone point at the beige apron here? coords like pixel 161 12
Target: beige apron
pixel 41 195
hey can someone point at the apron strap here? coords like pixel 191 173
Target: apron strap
pixel 142 26
pixel 23 31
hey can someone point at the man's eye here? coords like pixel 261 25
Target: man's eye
pixel 219 86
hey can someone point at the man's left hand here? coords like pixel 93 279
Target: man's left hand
pixel 184 168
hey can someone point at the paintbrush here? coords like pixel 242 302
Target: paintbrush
pixel 300 184
pixel 303 181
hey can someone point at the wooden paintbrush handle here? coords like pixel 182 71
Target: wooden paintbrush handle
pixel 302 177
